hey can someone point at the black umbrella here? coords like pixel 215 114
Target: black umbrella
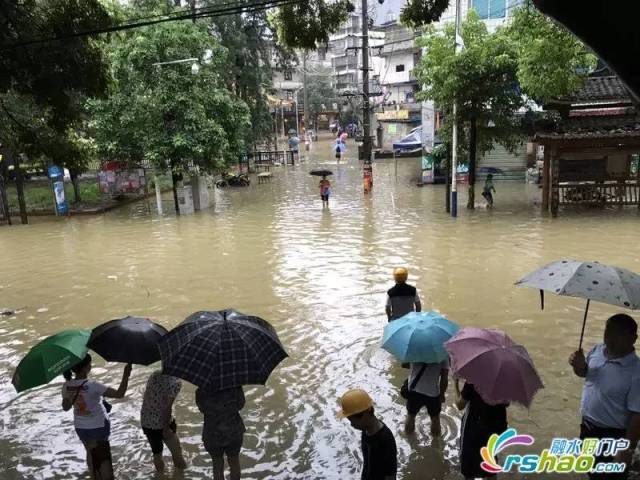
pixel 321 173
pixel 128 340
pixel 220 350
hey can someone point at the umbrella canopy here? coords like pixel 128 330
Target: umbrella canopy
pixel 292 131
pixel 588 280
pixel 220 350
pixel 128 340
pixel 344 136
pixel 50 358
pixel 321 173
pixel 418 337
pixel 500 370
pixel 491 170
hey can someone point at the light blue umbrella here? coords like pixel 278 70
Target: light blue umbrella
pixel 418 337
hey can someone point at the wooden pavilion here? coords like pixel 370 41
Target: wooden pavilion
pixel 591 154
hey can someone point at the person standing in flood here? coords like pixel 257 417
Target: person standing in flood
pixel 379 451
pixel 223 430
pixel 157 421
pixel 91 414
pixel 610 406
pixel 488 188
pixel 402 298
pixel 325 190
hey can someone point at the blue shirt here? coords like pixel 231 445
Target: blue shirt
pixel 612 389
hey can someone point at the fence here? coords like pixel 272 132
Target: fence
pixel 573 193
pixel 282 157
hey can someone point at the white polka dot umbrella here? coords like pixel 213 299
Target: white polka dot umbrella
pixel 588 280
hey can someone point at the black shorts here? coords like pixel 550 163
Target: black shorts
pixel 155 437
pixel 325 198
pixel 417 400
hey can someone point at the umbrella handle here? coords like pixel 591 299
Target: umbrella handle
pixel 584 323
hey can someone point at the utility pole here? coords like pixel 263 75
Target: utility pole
pixel 305 97
pixel 367 169
pixel 454 143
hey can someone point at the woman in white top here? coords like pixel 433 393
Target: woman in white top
pixel 90 414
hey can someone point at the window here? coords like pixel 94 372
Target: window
pixel 487 9
pixel 289 94
pixel 288 75
pixel 400 68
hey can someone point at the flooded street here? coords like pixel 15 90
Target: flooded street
pixel 320 277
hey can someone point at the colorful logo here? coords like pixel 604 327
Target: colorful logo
pixel 565 455
pixel 496 444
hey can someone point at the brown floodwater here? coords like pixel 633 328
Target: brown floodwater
pixel 319 276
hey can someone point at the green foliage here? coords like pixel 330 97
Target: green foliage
pixel 552 62
pixel 481 79
pixel 307 25
pixel 417 13
pixel 165 113
pixel 42 87
pixel 320 92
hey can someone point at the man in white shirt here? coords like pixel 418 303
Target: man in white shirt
pixel 427 387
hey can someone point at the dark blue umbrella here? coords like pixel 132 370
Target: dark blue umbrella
pixel 220 350
pixel 492 170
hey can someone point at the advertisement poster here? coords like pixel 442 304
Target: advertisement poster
pixel 56 174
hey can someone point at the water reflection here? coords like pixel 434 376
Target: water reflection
pixel 320 277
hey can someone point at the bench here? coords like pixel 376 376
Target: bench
pixel 264 177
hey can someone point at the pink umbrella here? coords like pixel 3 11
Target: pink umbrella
pixel 344 136
pixel 500 370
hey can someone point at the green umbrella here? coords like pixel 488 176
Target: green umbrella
pixel 50 358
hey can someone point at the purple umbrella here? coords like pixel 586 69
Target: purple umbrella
pixel 500 370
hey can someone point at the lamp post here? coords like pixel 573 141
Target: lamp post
pixel 454 143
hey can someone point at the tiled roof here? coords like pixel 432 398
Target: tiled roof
pixel 599 89
pixel 580 127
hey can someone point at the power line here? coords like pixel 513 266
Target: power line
pixel 172 17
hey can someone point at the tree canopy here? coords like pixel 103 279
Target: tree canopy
pixel 165 113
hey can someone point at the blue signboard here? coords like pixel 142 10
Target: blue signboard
pixel 56 174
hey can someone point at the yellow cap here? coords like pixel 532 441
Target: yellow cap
pixel 353 402
pixel 400 274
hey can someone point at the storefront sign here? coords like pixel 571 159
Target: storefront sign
pixel 56 174
pixel 393 115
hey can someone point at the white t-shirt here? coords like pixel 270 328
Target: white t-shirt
pixel 88 411
pixel 429 383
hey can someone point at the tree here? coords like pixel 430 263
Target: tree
pixel 481 79
pixel 41 89
pixel 320 93
pixel 552 62
pixel 307 25
pixel 165 114
pixel 418 13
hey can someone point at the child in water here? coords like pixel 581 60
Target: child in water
pixel 486 191
pixel 325 190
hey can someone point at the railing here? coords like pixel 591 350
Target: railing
pixel 283 157
pixel 572 193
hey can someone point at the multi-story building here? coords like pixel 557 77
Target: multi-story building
pixel 344 50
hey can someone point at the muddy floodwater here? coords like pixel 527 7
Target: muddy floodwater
pixel 320 277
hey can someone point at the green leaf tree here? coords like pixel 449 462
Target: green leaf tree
pixel 320 93
pixel 42 84
pixel 481 79
pixel 552 62
pixel 164 113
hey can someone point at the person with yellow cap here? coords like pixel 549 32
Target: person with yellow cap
pixel 379 451
pixel 402 298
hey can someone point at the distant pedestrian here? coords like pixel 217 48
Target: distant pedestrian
pixel 427 388
pixel 325 190
pixel 223 430
pixel 611 396
pixel 339 147
pixel 479 422
pixel 157 420
pixel 402 298
pixel 91 414
pixel 486 191
pixel 379 452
